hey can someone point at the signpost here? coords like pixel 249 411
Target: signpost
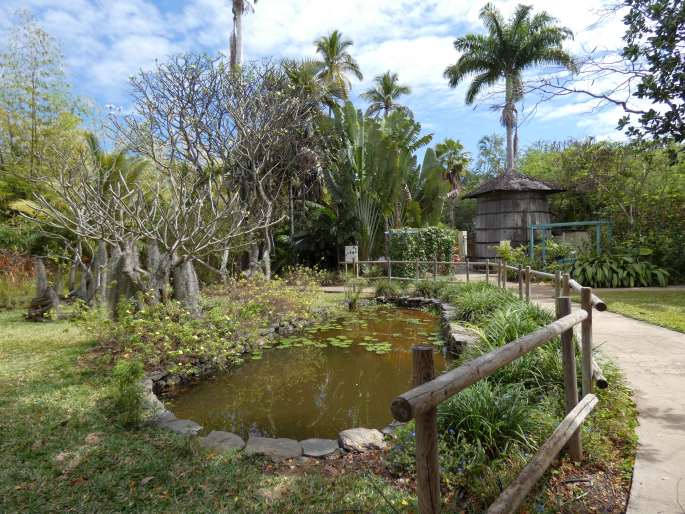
pixel 352 257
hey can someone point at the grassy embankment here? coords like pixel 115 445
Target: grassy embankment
pixel 62 452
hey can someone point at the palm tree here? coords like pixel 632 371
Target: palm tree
pixel 336 61
pixel 240 7
pixel 455 161
pixel 384 95
pixel 305 75
pixel 508 49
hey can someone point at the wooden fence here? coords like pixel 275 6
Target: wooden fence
pixel 421 402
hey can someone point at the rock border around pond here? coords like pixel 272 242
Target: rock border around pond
pixel 356 440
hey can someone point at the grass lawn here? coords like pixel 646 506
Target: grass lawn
pixel 49 404
pixel 664 308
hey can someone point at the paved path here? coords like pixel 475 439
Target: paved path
pixel 653 361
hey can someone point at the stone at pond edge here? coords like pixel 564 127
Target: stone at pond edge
pixel 319 447
pixel 361 439
pixel 275 448
pixel 222 441
pixel 181 426
pixel 392 427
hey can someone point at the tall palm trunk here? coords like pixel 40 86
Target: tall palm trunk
pixel 509 120
pixel 237 35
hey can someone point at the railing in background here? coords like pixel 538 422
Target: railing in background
pixel 421 402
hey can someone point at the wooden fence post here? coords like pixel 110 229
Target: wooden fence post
pixel 568 356
pixel 557 284
pixel 417 270
pixel 389 269
pixel 520 277
pixel 586 339
pixel 427 469
pixel 435 267
pixel 468 279
pixel 566 288
pixel 528 274
pixel 487 271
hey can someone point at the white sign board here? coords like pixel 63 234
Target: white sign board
pixel 351 253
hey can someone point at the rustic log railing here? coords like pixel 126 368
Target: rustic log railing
pixel 421 402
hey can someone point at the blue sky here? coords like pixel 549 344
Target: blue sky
pixel 106 41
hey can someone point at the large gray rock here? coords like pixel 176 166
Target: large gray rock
pixel 222 441
pixel 181 426
pixel 319 447
pixel 153 406
pixel 457 337
pixel 361 439
pixel 277 449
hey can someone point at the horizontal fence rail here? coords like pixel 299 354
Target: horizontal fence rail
pixel 426 396
pixel 420 403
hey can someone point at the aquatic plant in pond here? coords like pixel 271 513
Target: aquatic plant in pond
pixel 335 375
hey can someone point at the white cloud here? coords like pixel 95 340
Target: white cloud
pixel 105 41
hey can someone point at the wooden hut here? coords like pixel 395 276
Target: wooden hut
pixel 507 205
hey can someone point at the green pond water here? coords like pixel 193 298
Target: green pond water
pixel 334 376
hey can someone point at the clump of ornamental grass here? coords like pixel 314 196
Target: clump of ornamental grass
pixel 430 289
pixel 389 289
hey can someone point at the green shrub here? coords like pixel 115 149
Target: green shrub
pixel 618 271
pixel 488 414
pixel 127 392
pixel 477 300
pixel 428 289
pixel 389 289
pixel 424 244
pixel 541 368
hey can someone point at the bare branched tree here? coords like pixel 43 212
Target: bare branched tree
pixel 220 144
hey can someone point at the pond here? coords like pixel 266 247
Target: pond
pixel 337 375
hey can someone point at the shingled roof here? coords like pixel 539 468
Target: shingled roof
pixel 514 181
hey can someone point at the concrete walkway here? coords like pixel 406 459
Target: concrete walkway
pixel 653 361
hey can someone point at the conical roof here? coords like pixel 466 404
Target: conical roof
pixel 514 181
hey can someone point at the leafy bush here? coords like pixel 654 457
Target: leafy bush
pixel 541 368
pixel 304 276
pixel 428 289
pixel 389 289
pixel 476 300
pixel 17 285
pixel 127 392
pixel 488 414
pixel 617 271
pixel 167 336
pixel 424 244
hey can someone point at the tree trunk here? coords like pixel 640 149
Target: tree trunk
pixel 46 298
pixel 509 120
pixel 223 269
pixel 253 255
pixel 41 277
pixel 159 268
pixel 187 286
pixel 99 295
pixel 266 254
pixel 237 35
